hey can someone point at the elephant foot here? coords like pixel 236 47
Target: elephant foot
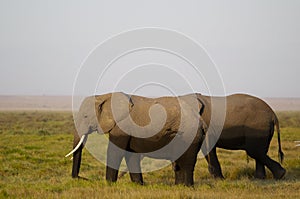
pixel 189 184
pixel 141 183
pixel 137 178
pixel 111 174
pixel 80 178
pixel 179 177
pixel 75 176
pixel 186 181
pixel 215 173
pixel 138 182
pixel 260 173
pixel 218 176
pixel 183 177
pixel 260 176
pixel 279 174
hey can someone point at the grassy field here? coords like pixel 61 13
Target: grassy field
pixel 32 165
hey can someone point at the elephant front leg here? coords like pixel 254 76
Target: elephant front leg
pixel 114 158
pixel 76 158
pixel 133 161
pixel 76 162
pixel 260 171
pixel 214 166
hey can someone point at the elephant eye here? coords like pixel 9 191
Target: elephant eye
pixel 85 116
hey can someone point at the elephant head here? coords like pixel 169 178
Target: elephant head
pixel 100 114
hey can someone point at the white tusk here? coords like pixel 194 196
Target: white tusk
pixel 78 145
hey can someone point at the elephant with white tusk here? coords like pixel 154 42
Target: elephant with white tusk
pixel 166 128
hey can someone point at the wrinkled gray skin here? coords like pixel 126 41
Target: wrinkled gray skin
pixel 137 108
pixel 249 126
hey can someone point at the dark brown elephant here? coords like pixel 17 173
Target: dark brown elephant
pixel 249 125
pixel 138 125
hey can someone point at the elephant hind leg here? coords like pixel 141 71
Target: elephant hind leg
pixel 277 170
pixel 260 171
pixel 214 166
pixel 183 175
pixel 179 173
pixel 133 161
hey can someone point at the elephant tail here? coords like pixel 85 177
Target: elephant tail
pixel 280 153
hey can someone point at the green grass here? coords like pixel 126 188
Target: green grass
pixel 32 165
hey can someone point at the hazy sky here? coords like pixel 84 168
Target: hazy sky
pixel 255 44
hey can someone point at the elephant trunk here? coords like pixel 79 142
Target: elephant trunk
pixel 82 140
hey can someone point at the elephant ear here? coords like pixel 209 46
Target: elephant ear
pixel 195 101
pixel 203 125
pixel 112 108
pixel 200 102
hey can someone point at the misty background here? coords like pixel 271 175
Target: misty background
pixel 255 44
